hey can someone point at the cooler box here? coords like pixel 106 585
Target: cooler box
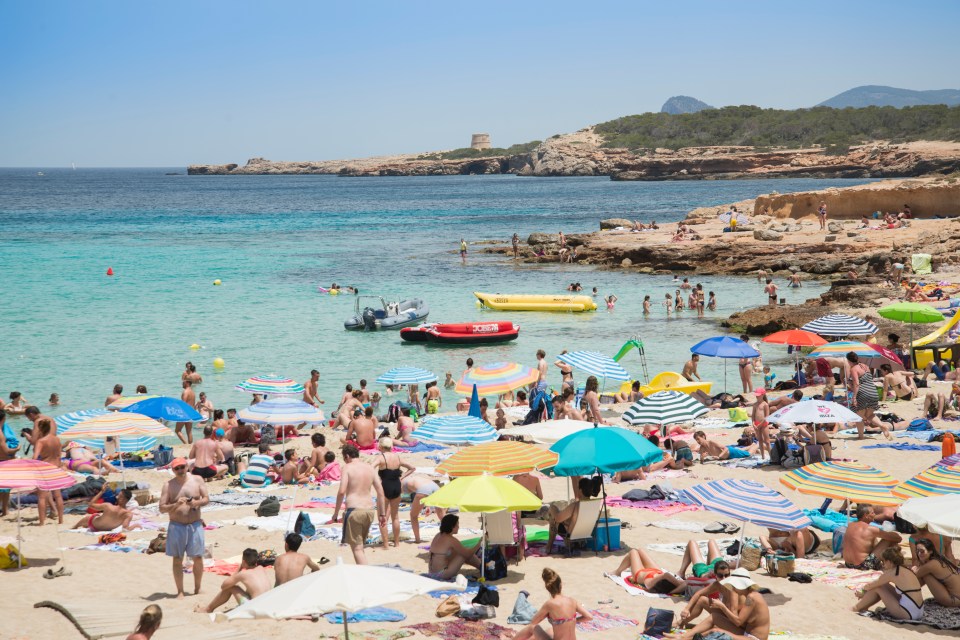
pixel 600 534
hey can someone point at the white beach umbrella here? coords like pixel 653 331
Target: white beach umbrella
pixel 548 431
pixel 813 412
pixel 940 514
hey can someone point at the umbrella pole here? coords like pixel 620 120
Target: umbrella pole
pixel 19 549
pixel 743 531
pixel 483 546
pixel 292 506
pixel 606 513
pixel 346 627
pixel 724 375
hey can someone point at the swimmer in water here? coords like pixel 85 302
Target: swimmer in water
pixel 611 300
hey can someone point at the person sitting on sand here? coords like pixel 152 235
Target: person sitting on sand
pixel 405 427
pixel 751 621
pixel 291 472
pixel 250 581
pixel 646 575
pixel 681 452
pixel 361 431
pixel 943 370
pixel 899 384
pixel 898 588
pixel 936 571
pixel 291 564
pixel 800 543
pixel 632 396
pixel 317 462
pixel 79 459
pixel 863 543
pixel 419 487
pixel 711 449
pixel 242 434
pixel 260 471
pixel 563 613
pixel 703 598
pixel 148 624
pixel 943 544
pixel 104 516
pixel 447 554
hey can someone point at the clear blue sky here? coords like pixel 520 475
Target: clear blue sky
pixel 139 83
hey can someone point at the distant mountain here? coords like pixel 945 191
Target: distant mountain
pixel 877 96
pixel 683 104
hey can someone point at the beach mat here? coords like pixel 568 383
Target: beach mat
pixel 934 615
pixel 833 573
pixel 632 589
pixel 602 621
pixel 463 630
pixel 373 614
pixel 376 634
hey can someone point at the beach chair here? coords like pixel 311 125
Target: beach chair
pixel 586 521
pixel 500 531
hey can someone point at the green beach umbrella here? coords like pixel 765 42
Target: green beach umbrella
pixel 912 313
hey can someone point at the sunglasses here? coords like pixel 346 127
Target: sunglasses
pixel 180 468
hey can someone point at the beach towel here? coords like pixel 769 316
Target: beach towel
pixel 833 573
pixel 678 548
pixel 376 634
pixel 665 507
pixel 331 472
pixel 463 630
pixel 920 263
pixel 827 522
pixel 373 614
pixel 473 586
pixel 629 587
pixel 904 446
pixel 282 522
pixel 934 616
pixel 603 621
pixel 420 447
pixel 678 525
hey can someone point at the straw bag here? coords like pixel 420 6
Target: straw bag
pixel 750 558
pixel 780 565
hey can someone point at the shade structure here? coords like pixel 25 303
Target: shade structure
pixel 501 458
pixel 939 514
pixel 126 444
pixel 844 481
pixel 889 356
pixel 280 411
pixel 116 424
pixel 271 385
pixel 595 363
pixel 407 375
pixel 22 474
pixel 68 420
pixel 664 407
pixel 603 450
pixel 548 431
pixel 497 378
pixel 474 410
pixel 869 356
pixel 483 494
pixel 840 324
pixel 795 338
pixel 125 401
pixel 749 501
pixel 724 347
pixel 935 481
pixel 456 430
pixel 911 313
pixel 165 408
pixel 813 412
pixel 949 461
pixel 342 587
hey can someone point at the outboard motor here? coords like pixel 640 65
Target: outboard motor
pixel 369 319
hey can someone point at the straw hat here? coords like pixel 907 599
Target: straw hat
pixel 739 579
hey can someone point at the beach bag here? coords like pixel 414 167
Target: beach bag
pixel 948 447
pixel 659 622
pixel 496 564
pixel 780 565
pixel 487 597
pixel 523 611
pixel 920 424
pixel 778 449
pixel 10 557
pixel 266 558
pixel 477 612
pixel 269 507
pixel 304 526
pixel 162 456
pixel 813 453
pixel 448 607
pixel 750 557
pixel 738 414
pixel 268 434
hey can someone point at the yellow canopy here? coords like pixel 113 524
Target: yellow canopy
pixel 484 494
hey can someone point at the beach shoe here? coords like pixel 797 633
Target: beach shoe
pixel 729 527
pixel 324 560
pixel 798 576
pixel 715 527
pixel 62 571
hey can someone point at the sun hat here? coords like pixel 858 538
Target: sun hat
pixel 739 579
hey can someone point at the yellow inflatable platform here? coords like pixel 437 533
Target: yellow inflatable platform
pixel 670 381
pixel 519 302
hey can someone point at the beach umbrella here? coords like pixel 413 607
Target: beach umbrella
pixel 342 587
pixel 813 412
pixel 935 481
pixel 497 378
pixel 795 338
pixel 939 514
pixel 165 408
pixel 851 481
pixel 911 313
pixel 889 356
pixel 271 385
pixel 724 347
pixel 474 409
pixel 664 407
pixel 869 356
pixel 116 424
pixel 282 410
pixel 595 363
pixel 499 458
pixel 22 474
pixel 949 461
pixel 548 431
pixel 840 324
pixel 68 420
pixel 603 450
pixel 407 375
pixel 125 444
pixel 125 401
pixel 456 430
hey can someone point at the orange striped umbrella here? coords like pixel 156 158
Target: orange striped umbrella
pixel 844 481
pixel 497 378
pixel 125 401
pixel 117 424
pixel 935 481
pixel 22 474
pixel 501 458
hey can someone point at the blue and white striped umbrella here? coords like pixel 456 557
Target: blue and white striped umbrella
pixel 456 430
pixel 74 418
pixel 597 364
pixel 127 444
pixel 749 501
pixel 281 411
pixel 664 407
pixel 407 375
pixel 839 324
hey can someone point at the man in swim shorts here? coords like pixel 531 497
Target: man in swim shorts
pixel 356 483
pixel 208 460
pixel 863 544
pixel 249 582
pixel 709 448
pixel 106 516
pixel 182 498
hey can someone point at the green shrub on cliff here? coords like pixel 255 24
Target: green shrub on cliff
pixel 753 126
pixel 467 152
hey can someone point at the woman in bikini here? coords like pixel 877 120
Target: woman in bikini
pixel 940 575
pixel 390 467
pixel 645 574
pixel 860 382
pixel 898 588
pixel 591 400
pixel 566 373
pixel 900 383
pixel 560 611
pixel 447 554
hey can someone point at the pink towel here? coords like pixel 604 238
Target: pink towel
pixel 330 472
pixel 665 507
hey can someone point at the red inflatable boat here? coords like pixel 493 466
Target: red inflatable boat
pixel 469 333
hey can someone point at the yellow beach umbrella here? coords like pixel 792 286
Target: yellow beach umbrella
pixel 484 494
pixel 851 481
pixel 500 458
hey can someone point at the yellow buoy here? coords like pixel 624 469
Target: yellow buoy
pixel 195 346
pixel 218 363
pixel 216 283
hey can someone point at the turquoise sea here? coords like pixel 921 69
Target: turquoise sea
pixel 67 327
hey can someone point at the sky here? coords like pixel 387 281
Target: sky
pixel 166 84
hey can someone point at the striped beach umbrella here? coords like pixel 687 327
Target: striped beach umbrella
pixel 749 501
pixel 125 401
pixel 664 407
pixel 271 385
pixel 813 412
pixel 595 363
pixel 22 474
pixel 74 418
pixel 949 461
pixel 935 481
pixel 126 444
pixel 501 458
pixel 407 375
pixel 869 356
pixel 165 408
pixel 280 411
pixel 456 430
pixel 116 424
pixel 497 378
pixel 844 481
pixel 840 324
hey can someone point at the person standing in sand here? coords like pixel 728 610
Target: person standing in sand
pixel 190 398
pixel 291 564
pixel 761 409
pixel 208 460
pixel 182 498
pixel 47 449
pixel 822 215
pixel 250 581
pixel 356 483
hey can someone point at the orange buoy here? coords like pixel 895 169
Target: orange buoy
pixel 109 271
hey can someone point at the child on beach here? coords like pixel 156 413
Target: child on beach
pixel 768 378
pixel 646 305
pixel 712 301
pixel 668 302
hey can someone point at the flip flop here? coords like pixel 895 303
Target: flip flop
pixel 324 560
pixel 729 527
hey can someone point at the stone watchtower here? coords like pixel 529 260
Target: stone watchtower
pixel 480 141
